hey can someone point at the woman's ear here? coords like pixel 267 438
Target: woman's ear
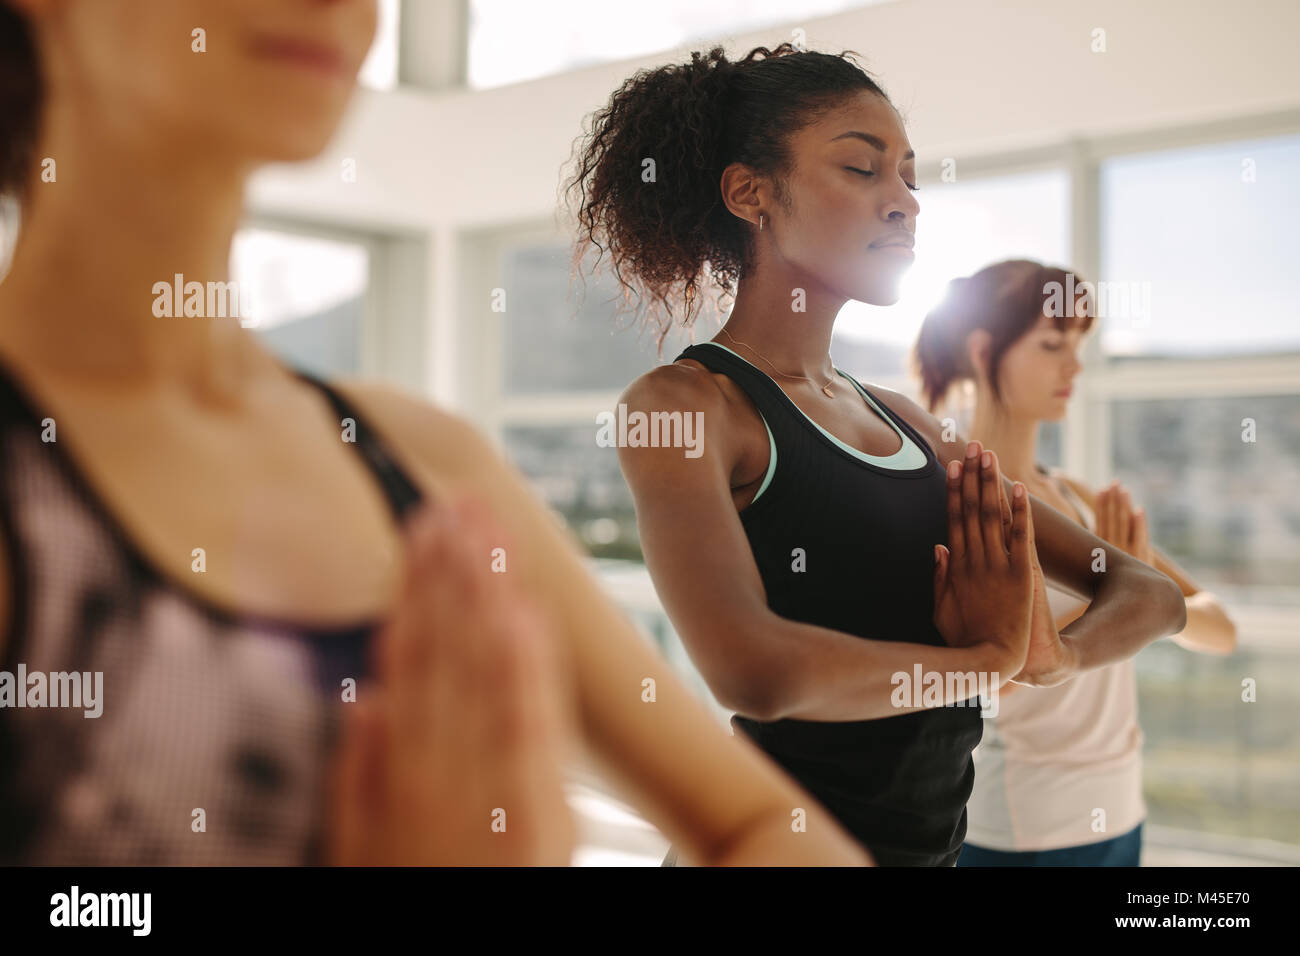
pixel 740 192
pixel 979 352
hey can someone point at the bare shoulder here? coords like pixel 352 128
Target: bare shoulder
pixel 681 386
pixel 440 448
pixel 730 430
pixel 1078 487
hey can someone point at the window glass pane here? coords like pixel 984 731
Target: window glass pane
pixel 379 71
pixel 511 41
pixel 962 227
pixel 1223 508
pixel 307 296
pixel 582 481
pixel 1209 233
pixel 556 338
pixel 1210 761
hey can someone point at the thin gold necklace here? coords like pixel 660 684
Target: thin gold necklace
pixel 825 388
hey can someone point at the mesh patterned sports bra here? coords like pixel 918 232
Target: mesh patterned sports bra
pixel 216 730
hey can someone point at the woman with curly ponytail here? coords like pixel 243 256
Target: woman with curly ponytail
pixel 1051 755
pixel 846 596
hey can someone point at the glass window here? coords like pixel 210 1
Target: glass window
pixel 962 227
pixel 558 338
pixel 510 41
pixel 306 296
pixel 1209 234
pixel 1211 762
pixel 582 481
pixel 379 71
pixel 1222 507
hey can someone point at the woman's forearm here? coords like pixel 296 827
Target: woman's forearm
pixel 1134 605
pixel 1209 629
pixel 829 675
pixel 774 839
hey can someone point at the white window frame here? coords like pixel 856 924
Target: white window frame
pixel 392 340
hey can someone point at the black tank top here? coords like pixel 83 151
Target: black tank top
pixel 232 715
pixel 867 535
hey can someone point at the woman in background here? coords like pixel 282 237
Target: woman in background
pixel 1058 774
pixel 231 543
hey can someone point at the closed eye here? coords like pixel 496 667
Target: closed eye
pixel 867 172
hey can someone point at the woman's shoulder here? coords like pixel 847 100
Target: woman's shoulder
pixel 687 386
pixel 683 385
pixel 437 446
pixel 1078 487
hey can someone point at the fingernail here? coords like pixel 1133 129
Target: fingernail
pixel 986 459
pixel 971 449
pixel 954 468
pixel 1018 490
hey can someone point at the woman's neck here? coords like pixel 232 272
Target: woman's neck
pixel 1013 438
pixel 785 321
pixel 118 218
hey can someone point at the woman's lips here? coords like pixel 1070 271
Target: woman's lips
pixel 302 53
pixel 898 243
pixel 901 252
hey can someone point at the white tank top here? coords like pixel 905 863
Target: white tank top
pixel 1060 766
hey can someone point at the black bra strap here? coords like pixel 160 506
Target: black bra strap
pixel 402 493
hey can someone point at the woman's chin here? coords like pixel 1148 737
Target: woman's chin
pixel 288 132
pixel 296 146
pixel 881 294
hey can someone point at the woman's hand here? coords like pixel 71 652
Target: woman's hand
pixel 1123 525
pixel 455 757
pixel 983 581
pixel 1049 660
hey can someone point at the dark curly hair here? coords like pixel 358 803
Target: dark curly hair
pixel 1005 299
pixel 666 239
pixel 20 100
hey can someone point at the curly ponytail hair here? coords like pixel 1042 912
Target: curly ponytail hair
pixel 20 99
pixel 668 235
pixel 1005 299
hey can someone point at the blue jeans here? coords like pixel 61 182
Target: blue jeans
pixel 1123 850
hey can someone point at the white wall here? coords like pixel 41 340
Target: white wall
pixel 972 77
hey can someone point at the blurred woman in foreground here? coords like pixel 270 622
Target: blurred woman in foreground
pixel 234 545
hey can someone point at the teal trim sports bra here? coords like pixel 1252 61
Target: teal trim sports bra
pixel 907 458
